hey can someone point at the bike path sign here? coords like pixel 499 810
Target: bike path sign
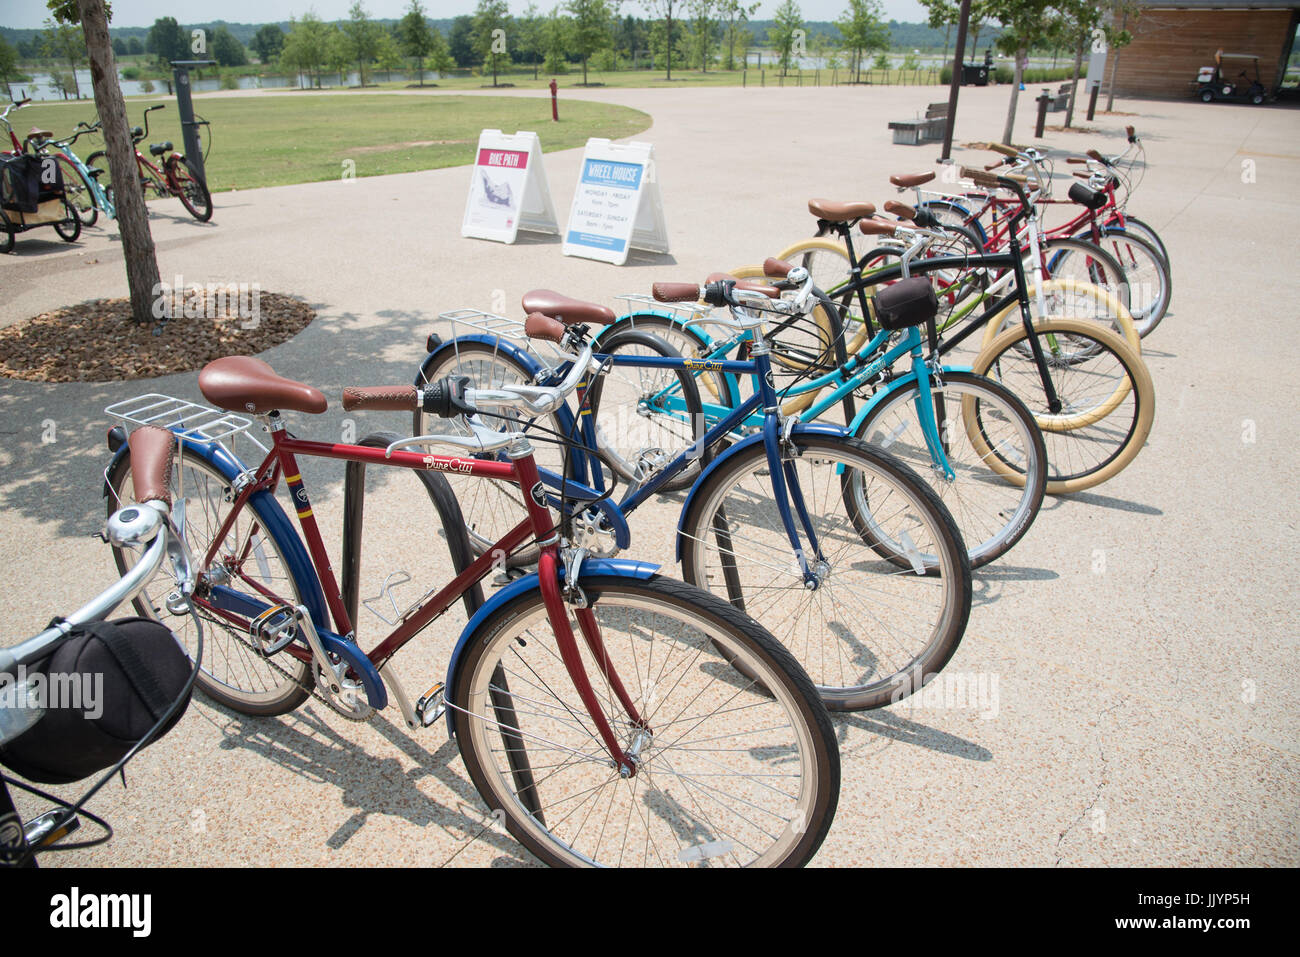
pixel 617 205
pixel 508 189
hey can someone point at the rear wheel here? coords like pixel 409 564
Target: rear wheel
pixel 99 161
pixel 249 561
pixel 194 195
pixel 1146 275
pixel 737 763
pixel 69 228
pixel 79 192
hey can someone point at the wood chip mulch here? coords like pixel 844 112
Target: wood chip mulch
pixel 99 341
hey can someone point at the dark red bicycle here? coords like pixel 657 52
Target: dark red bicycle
pixel 176 176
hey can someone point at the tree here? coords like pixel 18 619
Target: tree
pixel 64 42
pixel 306 46
pixel 8 65
pixel 439 55
pixel 704 30
pixel 132 216
pixel 416 36
pixel 460 42
pixel 528 38
pixel 491 24
pixel 168 41
pixel 338 53
pixel 1025 24
pixel 735 13
pixel 388 56
pixel 785 32
pixel 227 50
pixel 1118 37
pixel 591 20
pixel 267 42
pixel 861 27
pixel 119 47
pixel 667 40
pixel 362 39
pixel 134 46
pixel 555 42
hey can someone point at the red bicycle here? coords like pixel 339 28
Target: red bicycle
pixel 177 176
pixel 675 731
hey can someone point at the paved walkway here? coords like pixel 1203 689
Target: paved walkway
pixel 1142 637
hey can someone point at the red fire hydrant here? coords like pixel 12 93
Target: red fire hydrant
pixel 555 106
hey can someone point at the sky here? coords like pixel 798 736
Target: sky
pixel 142 13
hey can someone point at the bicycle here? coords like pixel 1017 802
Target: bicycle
pixel 68 227
pixel 148 527
pixel 905 413
pixel 835 545
pixel 177 177
pixel 674 731
pixel 1089 391
pixel 87 195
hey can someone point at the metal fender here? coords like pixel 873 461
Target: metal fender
pixel 809 428
pixel 618 567
pixel 273 518
pixel 893 387
pixel 522 356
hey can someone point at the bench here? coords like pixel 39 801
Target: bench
pixel 1062 98
pixel 915 132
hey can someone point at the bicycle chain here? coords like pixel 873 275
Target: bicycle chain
pixel 315 689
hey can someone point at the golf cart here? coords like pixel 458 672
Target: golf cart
pixel 1230 80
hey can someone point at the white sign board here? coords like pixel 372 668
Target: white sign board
pixel 508 190
pixel 617 204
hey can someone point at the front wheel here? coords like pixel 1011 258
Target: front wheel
pixel 993 444
pixel 891 589
pixel 736 759
pixel 1106 396
pixel 69 228
pixel 1146 275
pixel 193 194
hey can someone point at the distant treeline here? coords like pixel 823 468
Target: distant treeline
pixel 902 36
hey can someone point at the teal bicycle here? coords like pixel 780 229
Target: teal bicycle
pixel 970 436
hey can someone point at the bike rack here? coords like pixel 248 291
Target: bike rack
pixel 500 327
pixel 189 420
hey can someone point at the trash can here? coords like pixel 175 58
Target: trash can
pixel 974 74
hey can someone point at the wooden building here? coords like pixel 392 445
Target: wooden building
pixel 1172 39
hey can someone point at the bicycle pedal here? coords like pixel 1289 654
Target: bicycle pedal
pixel 274 629
pixel 431 705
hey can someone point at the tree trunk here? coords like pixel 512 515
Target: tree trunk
pixel 1074 84
pixel 1114 63
pixel 132 214
pixel 1015 96
pixel 669 57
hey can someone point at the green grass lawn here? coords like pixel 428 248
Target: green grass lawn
pixel 275 140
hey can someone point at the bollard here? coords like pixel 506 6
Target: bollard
pixel 555 106
pixel 1043 100
pixel 1092 99
pixel 185 107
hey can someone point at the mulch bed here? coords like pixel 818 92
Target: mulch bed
pixel 99 341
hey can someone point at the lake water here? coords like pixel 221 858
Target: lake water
pixel 40 87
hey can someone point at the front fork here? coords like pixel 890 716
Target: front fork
pixel 789 495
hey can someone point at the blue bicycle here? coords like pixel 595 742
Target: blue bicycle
pixel 842 551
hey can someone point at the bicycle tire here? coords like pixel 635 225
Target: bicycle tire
pixel 229 658
pixel 690 343
pixel 860 482
pixel 99 160
pixel 622 388
pixel 190 189
pixel 1146 274
pixel 83 197
pixel 1118 418
pixel 490 509
pixel 1068 257
pixel 69 228
pixel 1069 299
pixel 1144 229
pixel 1001 472
pixel 766 717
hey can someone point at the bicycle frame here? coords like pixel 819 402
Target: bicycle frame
pixel 239 608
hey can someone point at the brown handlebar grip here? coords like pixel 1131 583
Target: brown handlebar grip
pixel 1093 154
pixel 776 267
pixel 538 326
pixel 676 291
pixel 152 449
pixel 1083 175
pixel 980 178
pixel 1004 150
pixel 877 227
pixel 757 285
pixel 390 398
pixel 1016 177
pixel 901 210
pixel 1130 132
pixel 1076 160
